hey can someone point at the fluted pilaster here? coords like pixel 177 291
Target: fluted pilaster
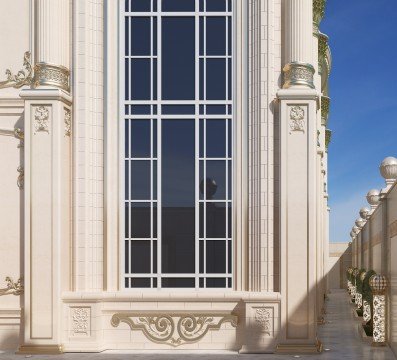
pixel 298 69
pixel 52 43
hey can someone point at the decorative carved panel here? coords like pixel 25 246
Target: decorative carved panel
pixel 80 321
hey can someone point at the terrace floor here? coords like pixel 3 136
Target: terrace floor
pixel 339 335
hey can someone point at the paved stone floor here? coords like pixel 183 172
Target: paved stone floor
pixel 339 335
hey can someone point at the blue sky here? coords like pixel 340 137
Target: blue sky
pixel 363 116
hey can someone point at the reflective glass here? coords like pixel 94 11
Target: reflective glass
pixel 178 5
pixel 216 138
pixel 216 180
pixel 140 79
pixel 216 35
pixel 140 34
pixel 216 79
pixel 140 138
pixel 216 5
pixel 140 5
pixel 140 257
pixel 140 180
pixel 140 220
pixel 216 220
pixel 178 58
pixel 216 257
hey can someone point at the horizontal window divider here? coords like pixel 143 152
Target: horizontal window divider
pixel 214 159
pixel 176 276
pixel 178 13
pixel 140 201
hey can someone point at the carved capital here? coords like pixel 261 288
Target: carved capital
pixel 51 75
pixel 325 101
pixel 298 74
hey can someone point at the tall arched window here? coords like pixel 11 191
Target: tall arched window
pixel 177 103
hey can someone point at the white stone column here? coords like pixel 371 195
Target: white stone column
pixel 47 209
pixel 298 179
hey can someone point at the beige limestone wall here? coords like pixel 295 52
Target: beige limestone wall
pixel 340 258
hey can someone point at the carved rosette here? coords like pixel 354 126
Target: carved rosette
pixel 366 311
pixel 298 74
pixel 80 320
pixel 51 75
pixel 68 122
pixel 318 13
pixel 328 136
pixel 325 102
pixel 174 329
pixel 379 332
pixel 41 119
pixel 297 118
pixel 263 318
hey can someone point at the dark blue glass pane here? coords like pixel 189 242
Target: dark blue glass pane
pixel 155 138
pixel 215 282
pixel 140 79
pixel 230 183
pixel 216 79
pixel 178 58
pixel 154 256
pixel 126 183
pixel 201 5
pixel 201 257
pixel 140 138
pixel 178 109
pixel 126 138
pixel 126 36
pixel 140 36
pixel 216 36
pixel 216 257
pixel 127 79
pixel 229 29
pixel 140 180
pixel 140 283
pixel 216 180
pixel 140 220
pixel 201 138
pixel 216 138
pixel 126 5
pixel 216 220
pixel 229 137
pixel 178 196
pixel 154 5
pixel 178 283
pixel 140 257
pixel 216 5
pixel 154 79
pixel 178 5
pixel 140 110
pixel 126 259
pixel 140 5
pixel 126 224
pixel 229 217
pixel 154 36
pixel 229 255
pixel 154 180
pixel 201 76
pixel 216 109
pixel 201 35
pixel 230 79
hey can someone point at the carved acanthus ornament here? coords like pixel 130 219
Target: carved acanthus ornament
pixel 322 50
pixel 21 177
pixel 328 136
pixel 13 288
pixel 325 101
pixel 80 317
pixel 22 77
pixel 298 74
pixel 68 122
pixel 297 118
pixel 19 134
pixel 174 329
pixel 41 117
pixel 318 13
pixel 263 317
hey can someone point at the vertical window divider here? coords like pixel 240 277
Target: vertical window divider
pixel 159 140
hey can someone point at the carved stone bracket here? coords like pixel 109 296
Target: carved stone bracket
pixel 13 288
pixel 22 77
pixel 174 328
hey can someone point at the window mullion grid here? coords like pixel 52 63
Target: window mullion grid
pixel 197 145
pixel 227 146
pixel 205 147
pixel 159 140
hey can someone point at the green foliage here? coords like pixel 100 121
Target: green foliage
pixel 366 289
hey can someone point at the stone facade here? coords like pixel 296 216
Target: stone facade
pixel 60 213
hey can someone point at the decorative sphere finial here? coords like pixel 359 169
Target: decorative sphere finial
pixel 355 229
pixel 364 213
pixel 359 223
pixel 378 284
pixel 373 197
pixel 388 169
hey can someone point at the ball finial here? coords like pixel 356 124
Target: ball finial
pixel 373 198
pixel 388 169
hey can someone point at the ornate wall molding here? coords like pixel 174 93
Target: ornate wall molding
pixel 52 75
pixel 172 328
pixel 297 73
pixel 41 119
pixel 297 118
pixel 68 122
pixel 13 288
pixel 22 77
pixel 325 102
pixel 19 134
pixel 80 318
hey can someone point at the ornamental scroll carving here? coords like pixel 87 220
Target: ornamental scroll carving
pixel 41 117
pixel 174 329
pixel 13 288
pixel 297 118
pixel 263 317
pixel 21 177
pixel 80 321
pixel 379 332
pixel 22 77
